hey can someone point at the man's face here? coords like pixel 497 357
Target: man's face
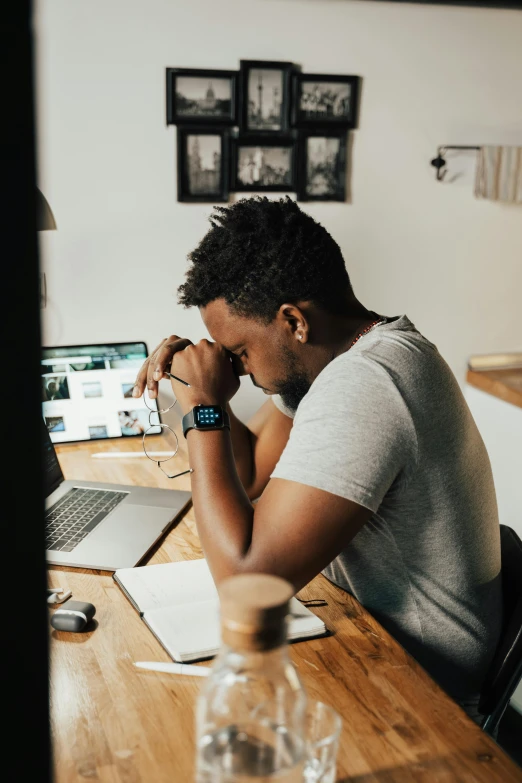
pixel 265 351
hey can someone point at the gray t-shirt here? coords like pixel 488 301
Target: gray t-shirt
pixel 386 425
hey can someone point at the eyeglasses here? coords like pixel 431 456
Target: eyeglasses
pixel 155 428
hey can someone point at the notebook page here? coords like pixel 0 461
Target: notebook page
pixel 187 632
pixel 166 584
pixel 192 632
pixel 303 623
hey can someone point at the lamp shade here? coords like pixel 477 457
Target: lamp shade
pixel 44 217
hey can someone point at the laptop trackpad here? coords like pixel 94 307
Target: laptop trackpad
pixel 123 538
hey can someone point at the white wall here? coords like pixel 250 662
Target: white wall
pixel 500 424
pixel 431 75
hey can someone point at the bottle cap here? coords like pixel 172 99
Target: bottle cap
pixel 254 608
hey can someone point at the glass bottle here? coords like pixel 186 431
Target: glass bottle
pixel 250 712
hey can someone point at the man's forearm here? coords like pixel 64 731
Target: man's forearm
pixel 224 514
pixel 243 450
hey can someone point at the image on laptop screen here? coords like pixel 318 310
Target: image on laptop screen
pixel 87 392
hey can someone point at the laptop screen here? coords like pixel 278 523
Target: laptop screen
pixel 87 392
pixel 53 475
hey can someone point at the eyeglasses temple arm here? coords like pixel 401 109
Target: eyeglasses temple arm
pixel 175 377
pixel 177 475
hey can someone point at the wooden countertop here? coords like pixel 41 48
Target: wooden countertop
pixel 112 723
pixel 504 384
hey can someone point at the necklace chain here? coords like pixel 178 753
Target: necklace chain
pixel 368 328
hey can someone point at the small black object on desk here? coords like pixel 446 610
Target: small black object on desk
pixel 73 616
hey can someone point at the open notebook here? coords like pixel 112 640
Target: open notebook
pixel 179 603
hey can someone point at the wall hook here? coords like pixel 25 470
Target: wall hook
pixel 440 162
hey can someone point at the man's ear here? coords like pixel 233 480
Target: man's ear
pixel 293 320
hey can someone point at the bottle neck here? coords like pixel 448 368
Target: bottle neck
pixel 247 638
pixel 254 659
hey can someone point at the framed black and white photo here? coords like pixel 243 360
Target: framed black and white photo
pixel 203 164
pixel 322 165
pixel 322 99
pixel 196 95
pixel 263 164
pixel 264 96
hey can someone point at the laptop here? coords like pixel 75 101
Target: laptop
pixel 87 392
pixel 100 525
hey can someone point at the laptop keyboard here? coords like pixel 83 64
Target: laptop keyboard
pixel 76 515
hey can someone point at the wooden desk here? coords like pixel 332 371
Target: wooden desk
pixel 114 724
pixel 504 384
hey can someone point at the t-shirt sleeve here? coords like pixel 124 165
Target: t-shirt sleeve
pixel 352 434
pixel 278 402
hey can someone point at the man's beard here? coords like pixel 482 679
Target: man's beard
pixel 296 384
pixel 293 389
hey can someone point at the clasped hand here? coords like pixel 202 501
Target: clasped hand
pixel 212 372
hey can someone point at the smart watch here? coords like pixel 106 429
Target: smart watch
pixel 205 417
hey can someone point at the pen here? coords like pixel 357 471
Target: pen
pixel 108 454
pixel 174 668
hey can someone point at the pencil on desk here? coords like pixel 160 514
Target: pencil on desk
pixel 174 668
pixel 123 454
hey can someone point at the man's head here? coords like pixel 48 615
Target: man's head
pixel 259 254
pixel 264 276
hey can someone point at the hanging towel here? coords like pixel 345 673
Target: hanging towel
pixel 499 174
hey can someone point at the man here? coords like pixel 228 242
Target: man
pixel 366 461
pixel 53 391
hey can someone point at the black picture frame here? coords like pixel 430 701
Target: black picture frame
pixel 189 189
pixel 208 111
pixel 238 183
pixel 330 178
pixel 325 114
pixel 248 107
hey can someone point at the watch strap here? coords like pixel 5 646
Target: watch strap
pixel 187 422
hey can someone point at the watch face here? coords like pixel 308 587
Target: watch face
pixel 208 417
